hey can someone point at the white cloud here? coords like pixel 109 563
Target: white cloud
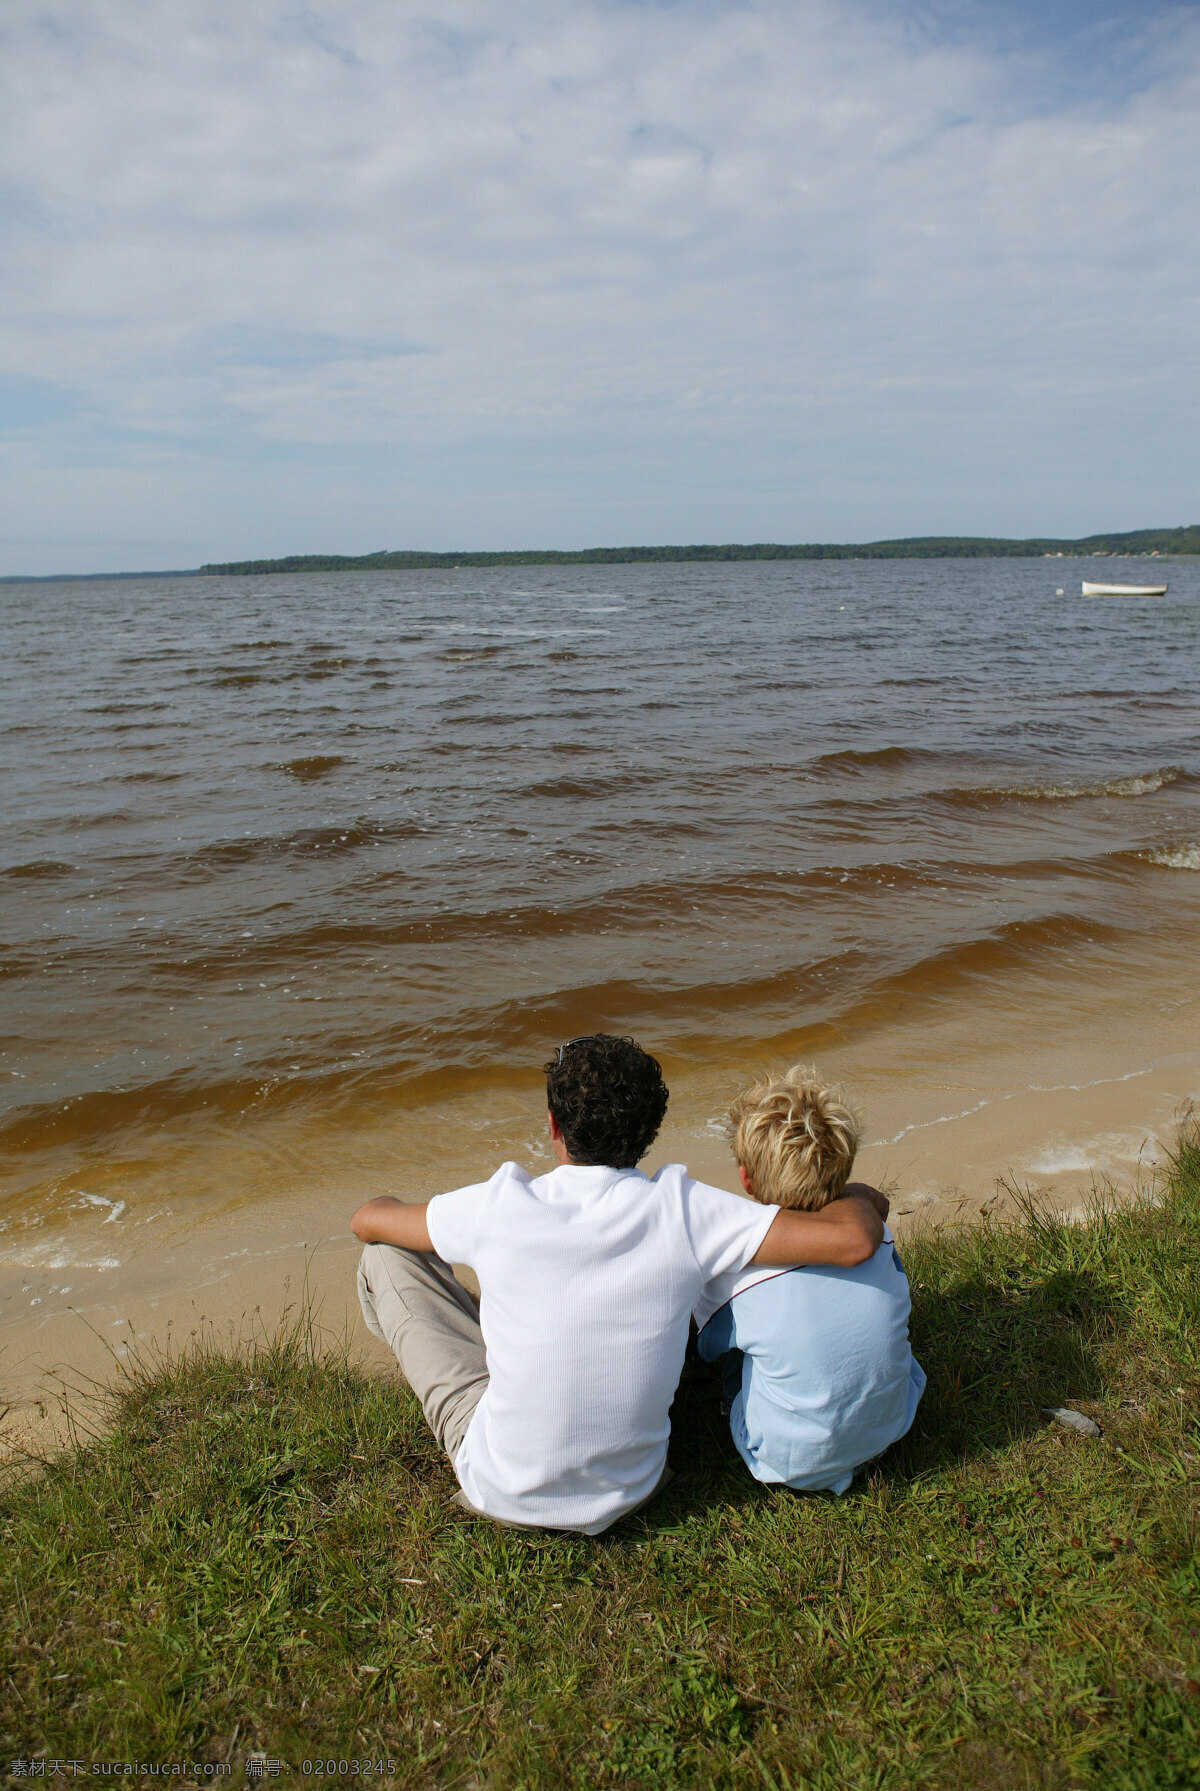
pixel 815 268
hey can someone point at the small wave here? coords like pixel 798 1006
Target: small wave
pixel 1143 784
pixel 440 749
pixel 1177 858
pixel 587 693
pixel 316 765
pixel 633 909
pixel 619 783
pixel 123 708
pixel 881 758
pixel 500 1041
pixel 333 842
pixel 39 867
pixel 939 875
pixel 100 1113
pixel 463 716
pixel 764 685
pixel 987 957
pixel 17 964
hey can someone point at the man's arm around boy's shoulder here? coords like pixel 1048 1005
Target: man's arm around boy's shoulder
pixel 841 1235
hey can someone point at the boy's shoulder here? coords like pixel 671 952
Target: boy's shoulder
pixel 719 1293
pixel 776 1287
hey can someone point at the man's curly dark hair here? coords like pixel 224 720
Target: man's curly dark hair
pixel 608 1097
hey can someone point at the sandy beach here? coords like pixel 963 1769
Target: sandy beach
pixel 1066 1089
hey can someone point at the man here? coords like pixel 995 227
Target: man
pixel 551 1393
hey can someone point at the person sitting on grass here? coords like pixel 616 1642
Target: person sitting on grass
pixel 551 1393
pixel 820 1375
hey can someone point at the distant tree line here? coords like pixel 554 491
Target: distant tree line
pixel 917 547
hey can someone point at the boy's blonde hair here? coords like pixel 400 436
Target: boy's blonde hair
pixel 795 1138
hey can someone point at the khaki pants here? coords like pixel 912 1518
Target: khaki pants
pixel 412 1302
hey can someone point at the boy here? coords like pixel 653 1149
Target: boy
pixel 820 1377
pixel 550 1393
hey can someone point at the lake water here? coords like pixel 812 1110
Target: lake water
pixel 303 877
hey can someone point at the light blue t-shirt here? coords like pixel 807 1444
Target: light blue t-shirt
pixel 828 1375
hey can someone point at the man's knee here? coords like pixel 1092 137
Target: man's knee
pixel 379 1259
pixel 390 1273
pixel 400 1290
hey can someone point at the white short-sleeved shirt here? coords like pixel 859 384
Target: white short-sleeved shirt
pixel 587 1277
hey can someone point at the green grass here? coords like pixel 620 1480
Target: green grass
pixel 261 1554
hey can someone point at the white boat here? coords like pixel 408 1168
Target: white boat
pixel 1123 590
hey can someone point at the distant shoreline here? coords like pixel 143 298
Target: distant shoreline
pixel 1138 543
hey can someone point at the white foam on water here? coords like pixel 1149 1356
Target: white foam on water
pixel 56 1256
pixel 1068 1157
pixel 943 1119
pixel 1143 784
pixel 1012 1095
pixel 1139 786
pixel 115 1207
pixel 1177 858
pixel 63 1253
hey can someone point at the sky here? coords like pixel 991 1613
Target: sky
pixel 333 277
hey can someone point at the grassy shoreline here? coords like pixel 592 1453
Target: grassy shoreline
pixel 259 1555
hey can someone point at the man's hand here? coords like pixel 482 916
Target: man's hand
pixel 390 1221
pixel 864 1191
pixel 842 1235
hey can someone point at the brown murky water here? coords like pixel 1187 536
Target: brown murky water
pixel 302 878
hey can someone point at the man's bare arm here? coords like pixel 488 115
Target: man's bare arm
pixel 843 1234
pixel 390 1221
